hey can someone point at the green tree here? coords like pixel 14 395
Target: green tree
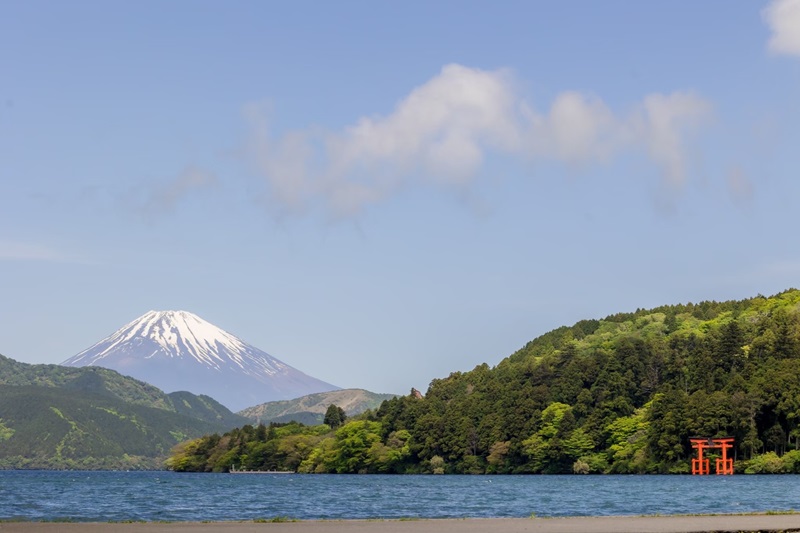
pixel 546 448
pixel 621 394
pixel 352 447
pixel 334 416
pixel 628 442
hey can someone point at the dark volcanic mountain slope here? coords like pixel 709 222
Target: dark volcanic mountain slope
pixel 176 350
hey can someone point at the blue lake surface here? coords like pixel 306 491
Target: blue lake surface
pixel 114 496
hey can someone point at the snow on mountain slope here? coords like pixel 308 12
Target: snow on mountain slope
pixel 177 350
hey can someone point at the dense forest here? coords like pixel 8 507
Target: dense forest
pixel 619 395
pixel 93 418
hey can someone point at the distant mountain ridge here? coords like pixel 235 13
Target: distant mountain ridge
pixel 177 350
pixel 94 418
pixel 310 409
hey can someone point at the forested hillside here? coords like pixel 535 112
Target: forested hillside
pixel 105 382
pixel 58 417
pixel 95 379
pixel 617 395
pixel 41 427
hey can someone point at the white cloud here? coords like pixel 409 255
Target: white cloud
pixel 666 120
pixel 444 129
pixel 783 19
pixel 444 126
pixel 578 128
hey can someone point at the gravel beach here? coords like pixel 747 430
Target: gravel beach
pixel 617 524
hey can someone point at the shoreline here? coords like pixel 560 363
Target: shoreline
pixel 785 523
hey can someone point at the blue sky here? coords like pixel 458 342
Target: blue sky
pixel 382 193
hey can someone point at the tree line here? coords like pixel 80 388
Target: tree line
pixel 619 395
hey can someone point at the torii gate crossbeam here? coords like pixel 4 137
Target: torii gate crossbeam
pixel 700 465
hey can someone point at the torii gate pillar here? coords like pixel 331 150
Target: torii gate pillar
pixel 700 465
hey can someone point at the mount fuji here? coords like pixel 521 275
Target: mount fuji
pixel 177 350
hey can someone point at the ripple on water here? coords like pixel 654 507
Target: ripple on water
pixel 168 496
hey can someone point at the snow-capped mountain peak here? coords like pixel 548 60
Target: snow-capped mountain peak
pixel 178 350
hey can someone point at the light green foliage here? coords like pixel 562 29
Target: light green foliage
pixel 54 428
pixel 385 458
pixel 578 443
pixel 92 418
pixel 437 465
pixel 498 453
pixel 622 394
pixel 319 458
pixel 555 446
pixel 581 467
pixel 296 449
pixel 791 462
pixel 5 432
pixel 112 412
pixel 178 436
pixel 628 438
pixel 768 463
pixel 354 443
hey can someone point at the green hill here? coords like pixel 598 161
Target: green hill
pixel 621 394
pixel 310 409
pixel 205 408
pixel 59 417
pixel 105 382
pixel 89 379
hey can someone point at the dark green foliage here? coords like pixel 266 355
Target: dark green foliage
pixel 88 379
pixel 617 395
pixel 61 417
pixel 51 429
pixel 205 408
pixel 334 416
pixel 274 447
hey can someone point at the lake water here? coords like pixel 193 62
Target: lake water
pixel 116 496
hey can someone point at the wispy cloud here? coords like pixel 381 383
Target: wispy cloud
pixel 443 130
pixel 740 187
pixel 165 197
pixel 667 118
pixel 783 19
pixel 17 251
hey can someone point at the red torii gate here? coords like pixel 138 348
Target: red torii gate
pixel 700 466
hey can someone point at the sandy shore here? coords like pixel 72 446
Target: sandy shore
pixel 615 524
